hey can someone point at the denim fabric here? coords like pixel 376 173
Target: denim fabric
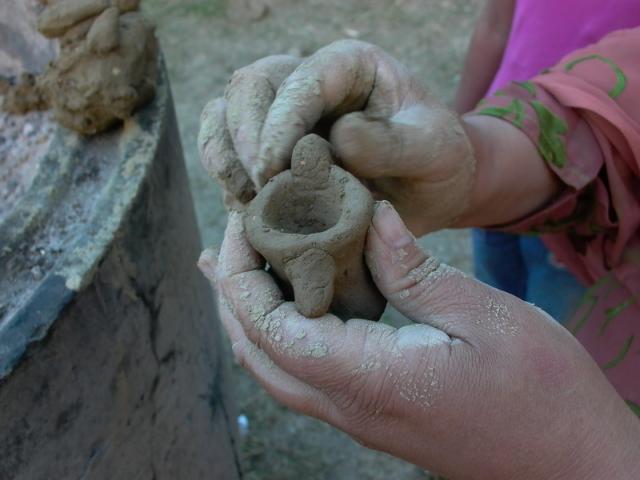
pixel 523 266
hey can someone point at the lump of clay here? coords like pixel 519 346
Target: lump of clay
pixel 104 35
pixel 62 15
pixel 310 223
pixel 58 17
pixel 106 68
pixel 101 79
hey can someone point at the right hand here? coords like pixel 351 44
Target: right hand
pixel 386 128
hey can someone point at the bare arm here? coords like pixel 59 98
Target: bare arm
pixel 485 52
pixel 411 149
pixel 505 157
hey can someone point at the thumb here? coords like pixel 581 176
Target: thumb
pixel 427 291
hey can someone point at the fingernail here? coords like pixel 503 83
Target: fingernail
pixel 390 226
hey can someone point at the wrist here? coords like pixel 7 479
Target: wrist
pixel 511 180
pixel 617 456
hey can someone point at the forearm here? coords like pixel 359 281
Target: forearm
pixel 480 66
pixel 511 179
pixel 484 55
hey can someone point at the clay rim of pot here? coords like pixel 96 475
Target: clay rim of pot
pixel 28 309
pixel 354 216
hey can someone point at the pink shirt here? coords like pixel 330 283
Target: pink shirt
pixel 544 31
pixel 583 116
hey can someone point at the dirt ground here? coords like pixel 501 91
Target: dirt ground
pixel 204 41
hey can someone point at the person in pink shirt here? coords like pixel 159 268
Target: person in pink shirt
pixel 514 40
pixel 482 384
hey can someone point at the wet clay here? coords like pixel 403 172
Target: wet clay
pixel 106 68
pixel 310 223
pixel 25 96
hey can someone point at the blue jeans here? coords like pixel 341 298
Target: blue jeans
pixel 521 266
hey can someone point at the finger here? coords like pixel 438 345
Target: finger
pixel 249 298
pixel 402 145
pixel 217 154
pixel 318 351
pixel 428 291
pixel 349 362
pixel 237 259
pixel 359 365
pixel 335 80
pixel 285 388
pixel 236 254
pixel 208 265
pixel 228 320
pixel 249 95
pixel 248 290
pixel 312 350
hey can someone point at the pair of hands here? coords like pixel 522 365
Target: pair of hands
pixel 384 125
pixel 483 385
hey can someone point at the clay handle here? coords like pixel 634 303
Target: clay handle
pixel 311 163
pixel 312 276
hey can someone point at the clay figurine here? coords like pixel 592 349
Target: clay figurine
pixel 310 223
pixel 106 68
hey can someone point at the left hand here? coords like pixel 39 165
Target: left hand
pixel 483 385
pixel 386 127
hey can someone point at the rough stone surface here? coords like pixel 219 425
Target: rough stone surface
pixel 24 139
pixel 123 377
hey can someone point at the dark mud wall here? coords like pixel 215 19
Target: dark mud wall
pixel 128 382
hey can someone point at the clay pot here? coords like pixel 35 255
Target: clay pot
pixel 310 223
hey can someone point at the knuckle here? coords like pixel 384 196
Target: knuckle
pixel 237 80
pixel 365 405
pixel 240 73
pixel 211 120
pixel 427 277
pixel 213 107
pixel 365 394
pixel 243 77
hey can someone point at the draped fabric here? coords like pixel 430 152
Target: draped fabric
pixel 583 115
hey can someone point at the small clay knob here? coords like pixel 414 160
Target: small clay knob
pixel 104 35
pixel 311 163
pixel 312 275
